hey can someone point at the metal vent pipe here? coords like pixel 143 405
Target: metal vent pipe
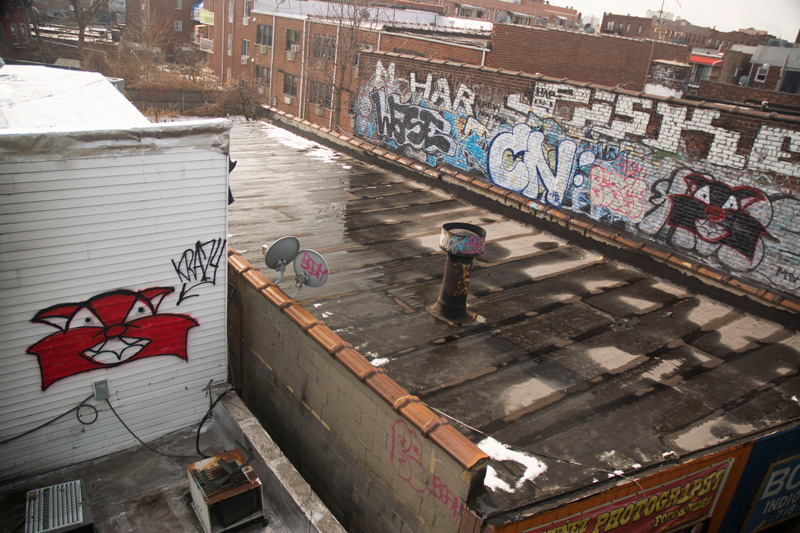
pixel 462 242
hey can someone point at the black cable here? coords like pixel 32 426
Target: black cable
pixel 143 443
pixel 205 418
pixel 77 409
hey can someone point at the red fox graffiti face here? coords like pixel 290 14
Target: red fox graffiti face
pixel 107 330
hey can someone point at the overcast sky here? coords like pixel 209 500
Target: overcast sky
pixel 778 17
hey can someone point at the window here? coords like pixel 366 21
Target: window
pixel 628 28
pixel 320 94
pixel 178 25
pixel 14 36
pixel 23 38
pixel 262 75
pixel 230 11
pixel 228 73
pixel 324 47
pixel 178 4
pixel 264 34
pixel 230 44
pixel 247 5
pixel 610 26
pixel 245 47
pixel 639 31
pixel 289 84
pixel 761 73
pixel 291 40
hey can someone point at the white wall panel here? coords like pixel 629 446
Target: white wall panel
pixel 78 227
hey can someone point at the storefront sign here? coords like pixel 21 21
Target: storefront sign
pixel 779 497
pixel 678 503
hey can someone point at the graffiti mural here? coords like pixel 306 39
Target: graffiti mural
pixel 718 189
pixel 108 330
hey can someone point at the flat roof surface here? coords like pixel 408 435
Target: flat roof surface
pixel 580 368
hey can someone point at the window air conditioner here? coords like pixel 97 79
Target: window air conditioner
pixel 289 55
pixel 319 110
pixel 262 48
pixel 287 100
pixel 322 62
pixel 245 21
pixel 225 491
pixel 295 48
pixel 244 60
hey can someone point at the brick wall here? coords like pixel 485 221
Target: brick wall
pixel 746 95
pixel 378 458
pixel 710 185
pixel 601 59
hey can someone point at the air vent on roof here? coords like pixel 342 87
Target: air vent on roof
pixel 225 491
pixel 58 508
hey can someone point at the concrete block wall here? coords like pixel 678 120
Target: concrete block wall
pixel 378 458
pixel 752 95
pixel 708 188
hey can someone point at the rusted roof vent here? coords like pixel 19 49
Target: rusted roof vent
pixel 462 242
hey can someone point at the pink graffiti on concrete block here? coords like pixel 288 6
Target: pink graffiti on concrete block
pixel 624 195
pixel 406 457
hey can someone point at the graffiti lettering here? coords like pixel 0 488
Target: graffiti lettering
pixel 313 268
pixel 518 161
pixel 406 457
pixel 788 275
pixel 198 266
pixel 408 124
pixel 462 244
pixel 621 194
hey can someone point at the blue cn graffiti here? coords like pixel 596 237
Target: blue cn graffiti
pixel 411 125
pixel 517 161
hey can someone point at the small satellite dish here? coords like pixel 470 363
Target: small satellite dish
pixel 502 16
pixel 309 269
pixel 744 81
pixel 282 251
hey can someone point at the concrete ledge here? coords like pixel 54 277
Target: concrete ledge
pixel 290 503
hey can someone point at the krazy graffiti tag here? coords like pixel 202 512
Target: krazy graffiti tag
pixel 198 266
pixel 411 125
pixel 406 457
pixel 109 329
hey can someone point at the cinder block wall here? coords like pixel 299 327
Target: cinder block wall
pixel 378 458
pixel 705 187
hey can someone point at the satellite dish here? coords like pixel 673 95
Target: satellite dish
pixel 310 269
pixel 502 16
pixel 282 251
pixel 744 81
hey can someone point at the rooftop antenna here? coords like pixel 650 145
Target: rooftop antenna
pixel 282 251
pixel 311 269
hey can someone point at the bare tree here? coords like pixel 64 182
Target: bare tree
pixel 352 23
pixel 84 13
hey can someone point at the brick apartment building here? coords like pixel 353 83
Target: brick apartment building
pixel 14 34
pixel 304 55
pixel 679 30
pixel 175 16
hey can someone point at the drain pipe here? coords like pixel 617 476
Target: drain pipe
pixel 462 242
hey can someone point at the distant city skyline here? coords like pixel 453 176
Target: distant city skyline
pixel 780 18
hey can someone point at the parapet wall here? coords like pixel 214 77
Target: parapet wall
pixel 377 457
pixel 713 188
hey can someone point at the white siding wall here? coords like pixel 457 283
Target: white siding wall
pixel 73 228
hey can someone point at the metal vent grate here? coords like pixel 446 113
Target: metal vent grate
pixel 54 508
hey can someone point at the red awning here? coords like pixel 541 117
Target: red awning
pixel 705 60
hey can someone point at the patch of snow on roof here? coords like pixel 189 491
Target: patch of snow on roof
pixel 290 140
pixel 35 98
pixel 501 452
pixel 492 481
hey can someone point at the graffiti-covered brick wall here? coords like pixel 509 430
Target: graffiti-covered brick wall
pixel 710 184
pixel 596 58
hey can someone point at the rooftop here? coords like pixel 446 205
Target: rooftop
pixel 581 369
